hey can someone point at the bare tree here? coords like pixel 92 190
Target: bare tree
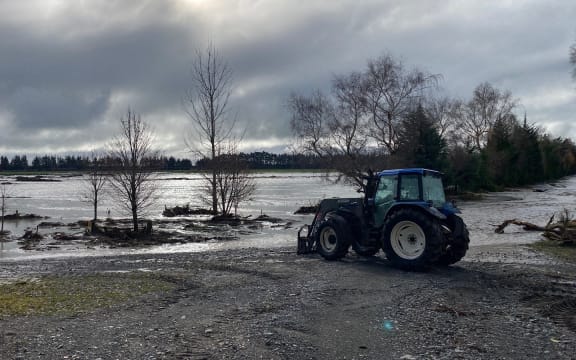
pixel 3 197
pixel 132 177
pixel 233 179
pixel 443 112
pixel 333 129
pixel 211 138
pixel 477 117
pixel 94 183
pixel 310 118
pixel 392 92
pixel 348 124
pixel 356 128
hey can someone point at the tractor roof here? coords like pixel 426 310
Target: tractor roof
pixel 420 171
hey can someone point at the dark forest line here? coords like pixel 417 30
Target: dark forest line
pixel 260 160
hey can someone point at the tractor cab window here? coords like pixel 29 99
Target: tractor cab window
pixel 409 187
pixel 386 189
pixel 386 194
pixel 433 189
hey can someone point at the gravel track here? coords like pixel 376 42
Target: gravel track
pixel 274 304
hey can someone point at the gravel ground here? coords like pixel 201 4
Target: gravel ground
pixel 500 303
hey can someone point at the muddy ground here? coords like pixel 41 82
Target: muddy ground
pixel 501 303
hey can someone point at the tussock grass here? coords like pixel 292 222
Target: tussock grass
pixel 69 295
pixel 553 248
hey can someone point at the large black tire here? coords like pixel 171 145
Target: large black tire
pixel 364 250
pixel 333 238
pixel 412 240
pixel 456 249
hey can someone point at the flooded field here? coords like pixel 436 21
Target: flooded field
pixel 278 195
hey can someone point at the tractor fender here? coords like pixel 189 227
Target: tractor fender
pixel 353 222
pixel 424 208
pixel 337 216
pixel 346 218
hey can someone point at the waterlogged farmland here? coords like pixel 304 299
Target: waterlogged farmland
pixel 278 195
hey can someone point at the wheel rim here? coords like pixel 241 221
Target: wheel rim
pixel 408 240
pixel 328 239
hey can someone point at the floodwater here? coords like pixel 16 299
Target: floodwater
pixel 277 195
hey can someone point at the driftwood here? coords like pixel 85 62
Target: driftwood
pixel 564 230
pixel 184 211
pixel 525 225
pixel 307 210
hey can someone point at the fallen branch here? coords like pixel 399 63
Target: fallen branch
pixel 525 225
pixel 564 230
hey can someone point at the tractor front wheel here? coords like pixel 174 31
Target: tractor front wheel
pixel 412 240
pixel 333 238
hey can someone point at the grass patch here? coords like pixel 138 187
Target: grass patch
pixel 564 252
pixel 71 295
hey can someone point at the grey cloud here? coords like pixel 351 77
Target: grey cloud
pixel 43 108
pixel 84 67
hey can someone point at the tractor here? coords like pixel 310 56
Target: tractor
pixel 404 212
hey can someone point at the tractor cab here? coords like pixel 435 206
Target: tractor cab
pixel 408 187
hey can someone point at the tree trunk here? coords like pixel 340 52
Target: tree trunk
pixel 3 209
pixel 214 193
pixel 135 219
pixel 95 206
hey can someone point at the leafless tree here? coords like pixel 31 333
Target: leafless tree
pixel 333 128
pixel 233 179
pixel 94 183
pixel 443 112
pixel 348 125
pixel 310 119
pixel 479 115
pixel 212 136
pixel 3 197
pixel 132 177
pixel 392 92
pixel 356 128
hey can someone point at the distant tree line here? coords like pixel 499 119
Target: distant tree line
pixel 79 163
pixel 260 160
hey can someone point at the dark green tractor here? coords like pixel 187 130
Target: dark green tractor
pixel 404 212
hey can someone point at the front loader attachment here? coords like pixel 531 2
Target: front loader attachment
pixel 306 243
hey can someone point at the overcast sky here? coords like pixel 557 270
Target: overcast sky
pixel 70 69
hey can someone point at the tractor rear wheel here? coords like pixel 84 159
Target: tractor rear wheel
pixel 412 240
pixel 333 238
pixel 458 245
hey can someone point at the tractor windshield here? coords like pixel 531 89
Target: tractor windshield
pixel 433 190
